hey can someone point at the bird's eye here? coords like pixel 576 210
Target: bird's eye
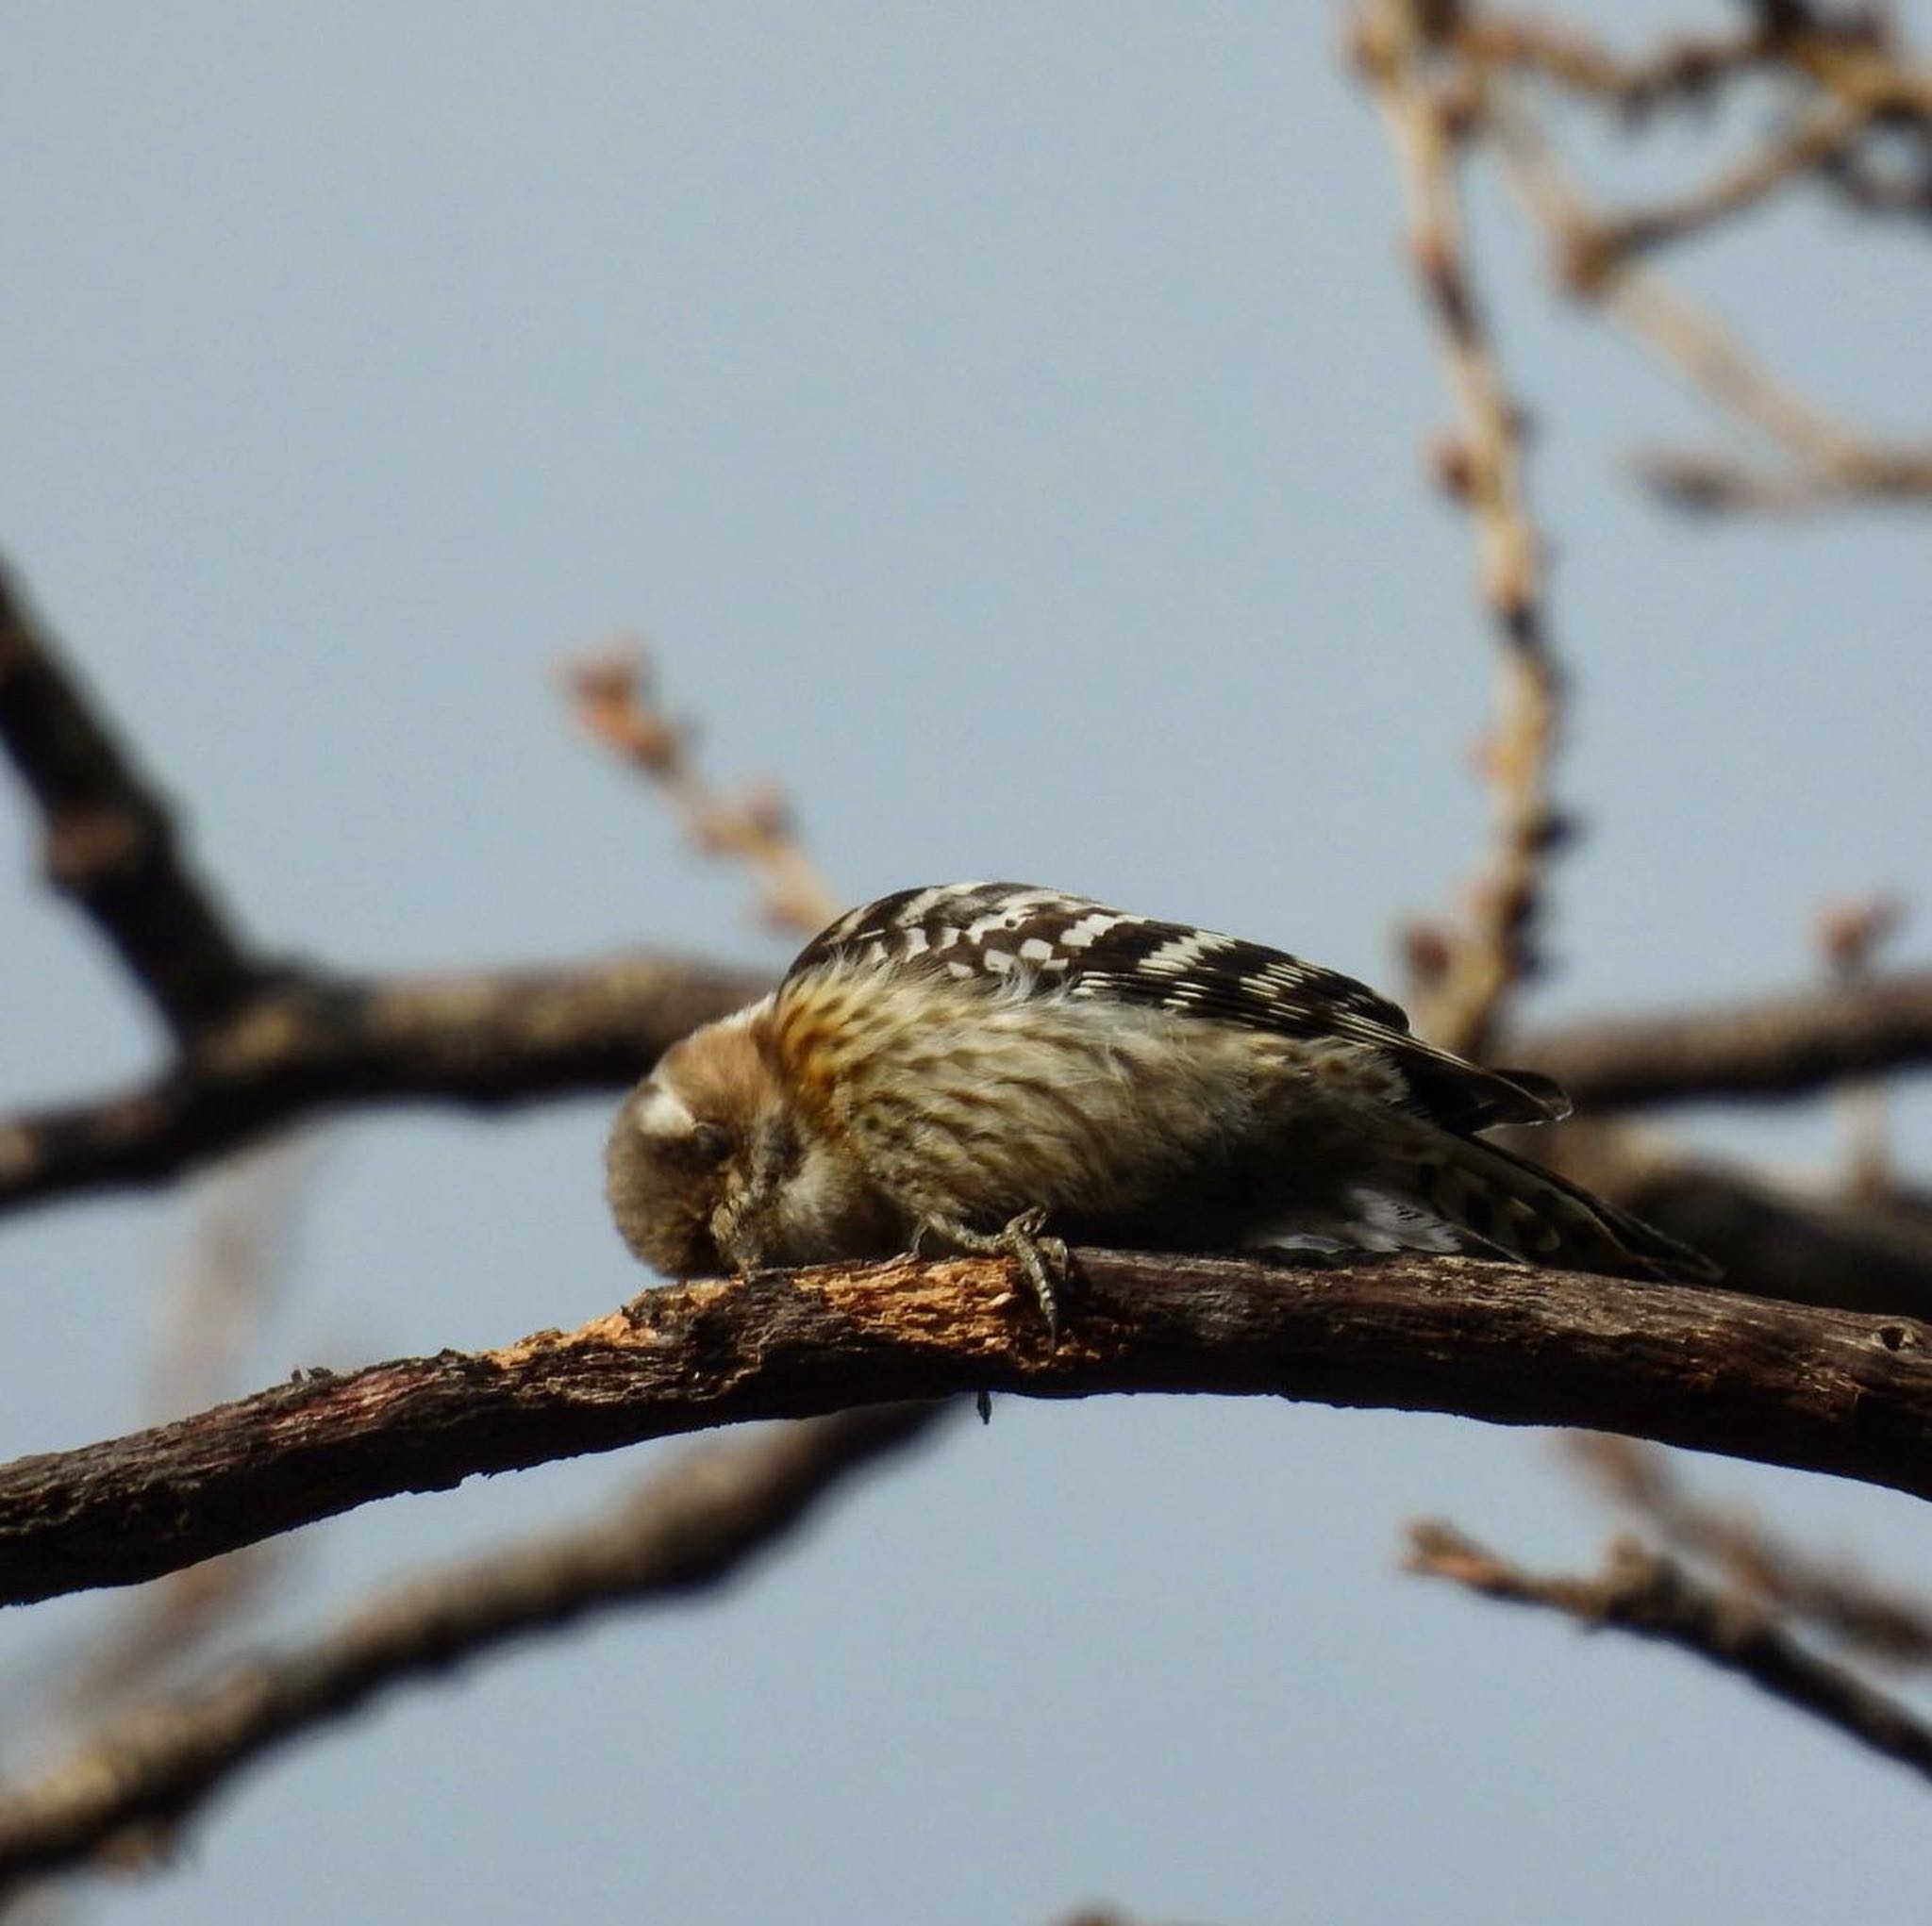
pixel 710 1143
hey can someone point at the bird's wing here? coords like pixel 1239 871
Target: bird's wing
pixel 1047 943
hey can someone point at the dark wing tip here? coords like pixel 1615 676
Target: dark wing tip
pixel 1688 1265
pixel 1467 1097
pixel 1658 1257
pixel 1549 1101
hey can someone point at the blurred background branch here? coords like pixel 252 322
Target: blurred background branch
pixel 124 1795
pixel 1640 1592
pixel 1464 973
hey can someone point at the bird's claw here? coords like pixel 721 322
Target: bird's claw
pixel 1042 1259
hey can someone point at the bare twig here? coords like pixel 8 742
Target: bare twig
pixel 1640 1592
pixel 1885 1623
pixel 616 701
pixel 1825 459
pixel 1853 56
pixel 1687 69
pixel 1849 87
pixel 1827 462
pixel 1871 184
pixel 683 1531
pixel 1398 43
pixel 1715 1370
pixel 1708 482
pixel 1854 53
pixel 1820 136
pixel 110 840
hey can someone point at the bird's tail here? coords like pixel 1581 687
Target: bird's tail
pixel 1426 1188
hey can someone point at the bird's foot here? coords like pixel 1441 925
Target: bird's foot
pixel 1042 1259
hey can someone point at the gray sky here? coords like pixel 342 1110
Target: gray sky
pixel 1005 420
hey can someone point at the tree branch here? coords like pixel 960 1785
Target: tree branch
pixel 109 842
pixel 1398 48
pixel 1642 1592
pixel 1819 1390
pixel 1791 155
pixel 1782 1046
pixel 1685 69
pixel 686 1530
pixel 1855 1255
pixel 615 696
pixel 1824 458
pixel 1852 52
pixel 317 1043
pixel 1833 1594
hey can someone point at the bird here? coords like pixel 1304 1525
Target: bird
pixel 1002 1067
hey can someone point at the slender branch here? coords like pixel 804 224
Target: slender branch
pixel 1819 138
pixel 1885 1622
pixel 1706 483
pixel 1829 461
pixel 1819 1390
pixel 616 701
pixel 1398 45
pixel 486 1038
pixel 1850 56
pixel 1870 184
pixel 1824 458
pixel 1655 1597
pixel 1854 90
pixel 1784 1046
pixel 1687 69
pixel 1860 60
pixel 110 840
pixel 683 1531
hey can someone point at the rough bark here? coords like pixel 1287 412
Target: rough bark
pixel 1714 1370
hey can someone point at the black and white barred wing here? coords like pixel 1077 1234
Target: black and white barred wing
pixel 1067 944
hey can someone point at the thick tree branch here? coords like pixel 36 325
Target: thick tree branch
pixel 687 1529
pixel 1655 1597
pixel 111 843
pixel 1781 1046
pixel 1819 1390
pixel 315 1043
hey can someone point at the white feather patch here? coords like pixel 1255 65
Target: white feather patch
pixel 660 1113
pixel 1366 1219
